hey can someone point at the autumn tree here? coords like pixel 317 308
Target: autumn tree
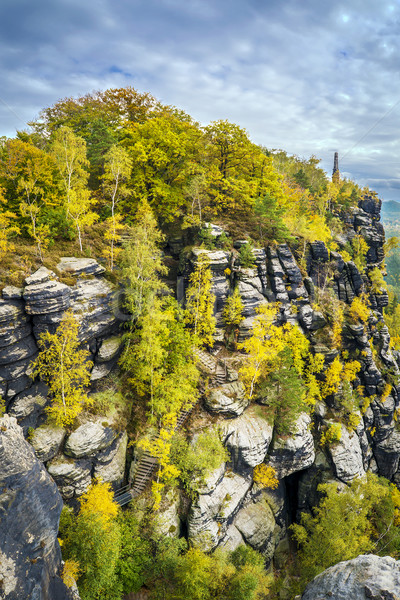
pixel 279 369
pixel 29 176
pixel 162 370
pixel 69 152
pixel 66 370
pixel 79 209
pixel 200 302
pixel 92 540
pixel 167 171
pixel 8 227
pixel 362 518
pixel 142 263
pixel 118 166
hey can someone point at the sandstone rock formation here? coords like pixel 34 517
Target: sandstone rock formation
pixel 30 507
pixel 363 578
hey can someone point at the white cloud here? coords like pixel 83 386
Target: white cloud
pixel 305 76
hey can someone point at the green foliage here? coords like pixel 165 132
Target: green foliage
pixel 195 575
pixel 196 460
pixel 93 540
pixel 361 518
pixel 233 309
pixel 66 370
pixel 378 284
pixel 199 314
pixel 271 224
pixel 135 557
pixel 142 264
pixel 283 393
pixel 246 256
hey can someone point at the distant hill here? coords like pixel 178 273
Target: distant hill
pixel 390 210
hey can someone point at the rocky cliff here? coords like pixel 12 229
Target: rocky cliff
pixel 230 509
pixel 30 507
pixel 362 578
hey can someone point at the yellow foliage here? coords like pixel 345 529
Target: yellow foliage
pixel 332 435
pixel 265 476
pixel 395 495
pixel 359 309
pixel 345 255
pixel 337 373
pixel 386 392
pixel 353 421
pixel 332 378
pixel 200 302
pixel 66 370
pixel 113 235
pixel 99 499
pixel 378 284
pixel 70 572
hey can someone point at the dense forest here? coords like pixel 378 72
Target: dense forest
pixel 118 177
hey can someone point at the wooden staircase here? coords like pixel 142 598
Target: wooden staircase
pixel 147 464
pixel 144 470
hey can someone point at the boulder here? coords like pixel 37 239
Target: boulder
pixel 79 266
pixel 73 477
pixel 210 512
pixel 10 292
pixel 347 456
pixel 219 260
pixel 42 275
pixel 247 438
pixel 228 399
pixel 257 525
pixel 46 297
pixel 232 539
pixel 109 349
pixel 366 577
pixel 295 453
pixel 46 441
pixel 89 439
pixel 167 522
pixel 28 406
pixel 30 508
pixel 110 463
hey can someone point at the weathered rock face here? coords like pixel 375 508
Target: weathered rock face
pixel 347 457
pixel 30 508
pixel 295 453
pixel 247 439
pixel 257 525
pixel 210 514
pixel 363 578
pixel 39 306
pixel 73 477
pixel 228 399
pixel 88 439
pixel 46 441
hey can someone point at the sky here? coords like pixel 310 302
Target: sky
pixel 308 76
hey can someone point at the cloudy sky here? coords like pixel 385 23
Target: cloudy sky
pixel 308 76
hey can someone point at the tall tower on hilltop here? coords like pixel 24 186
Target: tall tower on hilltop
pixel 335 172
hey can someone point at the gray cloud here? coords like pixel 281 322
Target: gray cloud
pixel 309 77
